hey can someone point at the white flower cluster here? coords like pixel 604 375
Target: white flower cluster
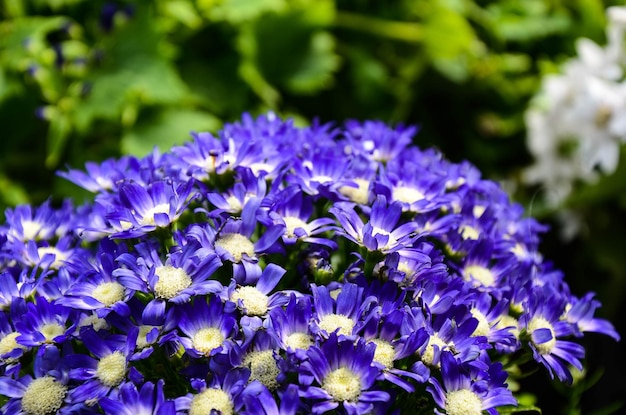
pixel 577 122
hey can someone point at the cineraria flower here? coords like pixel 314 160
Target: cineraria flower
pixel 580 312
pixel 44 223
pixel 223 394
pixel 264 403
pixel 103 372
pixel 259 353
pixel 207 327
pixel 256 300
pixel 541 322
pixel 377 140
pixel 146 400
pixel 468 390
pixel 340 374
pixel 381 232
pixel 43 394
pixel 232 201
pixel 143 210
pixel 291 326
pixel 45 323
pixel 99 177
pixel 342 315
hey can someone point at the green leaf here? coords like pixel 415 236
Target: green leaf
pixel 450 42
pixel 291 50
pixel 238 11
pixel 59 131
pixel 165 129
pixel 136 72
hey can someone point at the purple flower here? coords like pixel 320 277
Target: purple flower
pixel 469 389
pixel 149 399
pixel 340 373
pixel 45 323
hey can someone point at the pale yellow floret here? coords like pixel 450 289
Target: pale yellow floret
pixel 9 343
pixel 479 275
pixel 211 399
pixel 463 402
pixel 236 244
pixel 148 218
pixel 406 194
pixel 263 367
pixel 342 385
pixel 429 354
pixel 299 341
pixel 44 396
pixel 30 230
pixel 234 203
pixel 94 322
pixel 172 281
pixel 391 241
pixel 51 330
pixel 385 353
pixel 483 327
pixel 207 339
pixel 509 322
pixel 537 323
pixel 292 223
pixel 142 340
pixel 469 232
pixel 254 301
pixel 59 256
pixel 359 194
pixel 108 293
pixel 332 322
pixel 111 369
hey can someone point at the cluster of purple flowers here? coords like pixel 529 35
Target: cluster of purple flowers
pixel 275 269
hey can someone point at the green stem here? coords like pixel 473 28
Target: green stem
pixel 410 32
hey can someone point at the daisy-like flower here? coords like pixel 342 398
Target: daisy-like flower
pixel 99 177
pixel 291 326
pixel 381 233
pixel 541 321
pixel 223 394
pixel 264 402
pixel 142 210
pixel 247 185
pixel 23 223
pixel 106 370
pixel 340 374
pixel 468 389
pixel 45 393
pixel 580 312
pixel 149 399
pixel 45 323
pixel 293 209
pixel 342 315
pixel 256 300
pixel 377 140
pixel 207 327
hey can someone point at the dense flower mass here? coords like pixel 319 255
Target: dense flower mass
pixel 275 269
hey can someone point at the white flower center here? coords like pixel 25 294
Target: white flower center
pixel 358 194
pixel 469 232
pixel 142 340
pixel 541 323
pixel 108 293
pixel 211 400
pixel 406 194
pixel 236 244
pixel 94 321
pixel 332 322
pixel 299 341
pixel 207 339
pixel 111 369
pixel 148 218
pixel 463 402
pixel 30 230
pixel 391 241
pixel 254 301
pixel 234 203
pixel 292 223
pixel 171 281
pixel 51 330
pixel 385 353
pixel 43 396
pixel 483 327
pixel 479 275
pixel 59 257
pixel 342 385
pixel 509 322
pixel 429 354
pixel 263 367
pixel 9 343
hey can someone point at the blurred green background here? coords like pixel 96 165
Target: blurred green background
pixel 85 80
